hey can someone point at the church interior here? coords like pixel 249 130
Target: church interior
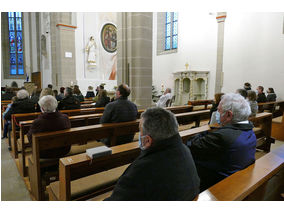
pixel 191 55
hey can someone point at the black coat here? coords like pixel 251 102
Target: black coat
pixel 271 97
pixel 102 102
pixel 21 106
pixel 121 110
pixel 261 98
pixel 69 102
pixel 90 94
pixel 165 171
pixel 7 96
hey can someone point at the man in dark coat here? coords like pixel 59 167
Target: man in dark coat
pixel 261 98
pixel 165 169
pixel 121 110
pixel 50 120
pixel 69 101
pixel 230 148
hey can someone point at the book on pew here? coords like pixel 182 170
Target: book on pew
pixel 98 151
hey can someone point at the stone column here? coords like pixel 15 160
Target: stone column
pixel 220 49
pixel 135 56
pixel 63 49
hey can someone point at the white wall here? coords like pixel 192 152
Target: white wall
pixel 254 51
pixel 90 24
pixel 197 45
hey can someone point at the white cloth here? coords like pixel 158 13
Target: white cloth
pixel 163 100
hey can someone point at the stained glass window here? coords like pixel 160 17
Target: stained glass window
pixel 171 35
pixel 16 43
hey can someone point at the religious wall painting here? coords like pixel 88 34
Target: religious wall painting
pixel 109 37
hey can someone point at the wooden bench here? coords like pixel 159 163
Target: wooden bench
pixel 272 107
pixel 76 121
pixel 81 135
pixel 17 118
pixel 204 103
pixel 253 182
pixel 79 166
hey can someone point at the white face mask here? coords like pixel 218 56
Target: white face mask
pixel 140 142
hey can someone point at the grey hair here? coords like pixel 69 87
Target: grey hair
pixel 22 94
pixel 238 105
pixel 48 103
pixel 159 123
pixel 169 90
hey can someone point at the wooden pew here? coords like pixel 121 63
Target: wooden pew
pixel 201 103
pixel 49 140
pixel 78 166
pixel 272 107
pixel 251 183
pixel 17 118
pixel 76 121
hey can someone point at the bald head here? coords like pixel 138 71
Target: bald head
pixel 122 91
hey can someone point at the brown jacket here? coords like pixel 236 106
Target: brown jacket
pixel 47 122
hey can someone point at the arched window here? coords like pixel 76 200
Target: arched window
pixel 171 35
pixel 15 28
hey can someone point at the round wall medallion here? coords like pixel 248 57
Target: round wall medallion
pixel 109 37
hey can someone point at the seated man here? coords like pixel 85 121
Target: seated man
pixel 120 110
pixel 164 170
pixel 69 101
pixel 230 148
pixel 164 98
pixel 261 98
pixel 50 120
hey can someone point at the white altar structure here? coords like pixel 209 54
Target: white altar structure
pixel 190 85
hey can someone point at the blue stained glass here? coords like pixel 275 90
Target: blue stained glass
pixel 168 30
pixel 20 59
pixel 10 14
pixel 18 14
pixel 13 70
pixel 21 70
pixel 11 24
pixel 175 28
pixel 175 17
pixel 13 59
pixel 174 42
pixel 168 43
pixel 19 24
pixel 19 42
pixel 168 17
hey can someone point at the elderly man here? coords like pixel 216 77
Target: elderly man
pixel 162 102
pixel 50 120
pixel 164 169
pixel 230 148
pixel 120 110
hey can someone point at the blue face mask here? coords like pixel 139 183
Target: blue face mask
pixel 140 142
pixel 218 117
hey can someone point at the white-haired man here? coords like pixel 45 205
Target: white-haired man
pixel 230 148
pixel 50 120
pixel 162 102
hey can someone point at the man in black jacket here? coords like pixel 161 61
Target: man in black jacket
pixel 164 169
pixel 261 98
pixel 121 110
pixel 69 101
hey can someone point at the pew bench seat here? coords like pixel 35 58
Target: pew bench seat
pixel 88 185
pixel 277 120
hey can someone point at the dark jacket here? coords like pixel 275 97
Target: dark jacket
pixel 35 98
pixel 7 96
pixel 80 97
pixel 46 122
pixel 102 102
pixel 121 110
pixel 220 153
pixel 261 98
pixel 69 102
pixel 165 171
pixel 21 106
pixel 271 97
pixel 90 94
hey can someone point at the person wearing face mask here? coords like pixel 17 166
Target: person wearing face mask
pixel 164 170
pixel 120 110
pixel 50 120
pixel 228 149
